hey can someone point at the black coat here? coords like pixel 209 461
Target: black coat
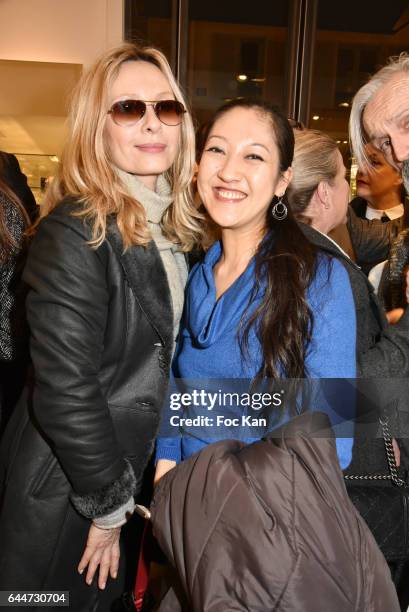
pixel 382 359
pixel 268 526
pixel 371 239
pixel 382 349
pixel 101 343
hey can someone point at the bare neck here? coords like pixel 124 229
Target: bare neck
pixel 238 249
pixel 321 225
pixel 386 201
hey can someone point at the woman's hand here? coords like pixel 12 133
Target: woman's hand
pixel 394 315
pixel 102 550
pixel 163 466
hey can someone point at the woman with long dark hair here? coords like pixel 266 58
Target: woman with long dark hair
pixel 265 303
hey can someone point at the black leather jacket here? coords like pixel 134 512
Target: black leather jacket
pixel 101 343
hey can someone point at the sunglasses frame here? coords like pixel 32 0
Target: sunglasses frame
pixel 154 104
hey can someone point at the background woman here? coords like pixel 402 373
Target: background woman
pixel 318 195
pixel 381 196
pixel 16 204
pixel 264 302
pixel 380 191
pixel 103 307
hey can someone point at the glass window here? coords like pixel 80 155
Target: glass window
pixel 353 40
pixel 39 170
pixel 151 22
pixel 235 51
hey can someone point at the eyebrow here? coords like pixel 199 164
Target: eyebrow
pixel 251 144
pixel 216 136
pixel 374 138
pixel 402 117
pixel 403 113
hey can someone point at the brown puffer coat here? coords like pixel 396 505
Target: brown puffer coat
pixel 269 527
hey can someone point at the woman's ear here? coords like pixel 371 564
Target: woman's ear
pixel 283 182
pixel 322 193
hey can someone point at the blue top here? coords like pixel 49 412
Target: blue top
pixel 209 349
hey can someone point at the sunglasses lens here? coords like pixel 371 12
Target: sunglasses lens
pixel 170 112
pixel 128 112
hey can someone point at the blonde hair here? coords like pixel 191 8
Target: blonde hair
pixel 358 137
pixel 86 171
pixel 314 161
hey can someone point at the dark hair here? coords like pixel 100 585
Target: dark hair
pixel 285 266
pixel 7 241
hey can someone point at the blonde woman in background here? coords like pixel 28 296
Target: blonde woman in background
pixel 106 276
pixel 318 196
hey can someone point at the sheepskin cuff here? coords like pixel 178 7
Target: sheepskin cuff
pixel 118 517
pixel 109 498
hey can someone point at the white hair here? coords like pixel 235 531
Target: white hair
pixel 357 134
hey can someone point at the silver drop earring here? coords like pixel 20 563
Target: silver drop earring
pixel 279 210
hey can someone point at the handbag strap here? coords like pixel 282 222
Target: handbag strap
pixel 390 457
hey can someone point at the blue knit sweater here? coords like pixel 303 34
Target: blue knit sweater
pixel 209 350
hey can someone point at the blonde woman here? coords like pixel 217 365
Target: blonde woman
pixel 106 275
pixel 318 195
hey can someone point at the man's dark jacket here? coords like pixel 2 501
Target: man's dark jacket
pixel 269 527
pixel 382 354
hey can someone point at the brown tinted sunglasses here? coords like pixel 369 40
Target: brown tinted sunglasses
pixel 128 112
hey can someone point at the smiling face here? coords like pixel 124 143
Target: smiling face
pixel 239 170
pixel 383 182
pixel 148 148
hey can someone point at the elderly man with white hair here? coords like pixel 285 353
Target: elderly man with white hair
pixel 380 116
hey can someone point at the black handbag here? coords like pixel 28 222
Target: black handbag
pixel 383 502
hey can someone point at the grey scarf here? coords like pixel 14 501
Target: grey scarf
pixel 155 204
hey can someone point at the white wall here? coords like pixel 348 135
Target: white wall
pixel 43 46
pixel 73 31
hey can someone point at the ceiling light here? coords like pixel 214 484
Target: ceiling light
pixel 345 141
pixel 344 104
pixel 259 80
pixel 242 77
pixel 316 117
